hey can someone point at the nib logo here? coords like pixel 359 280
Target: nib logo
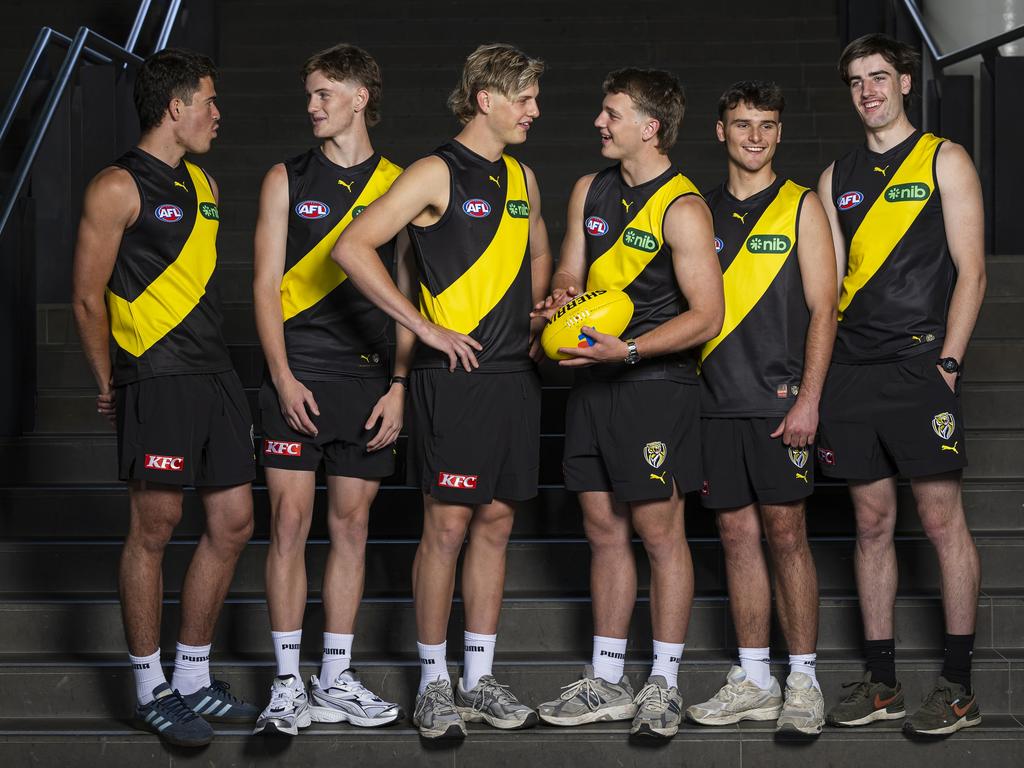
pixel 165 463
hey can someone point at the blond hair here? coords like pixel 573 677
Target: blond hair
pixel 493 66
pixel 350 62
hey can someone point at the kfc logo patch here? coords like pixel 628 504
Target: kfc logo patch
pixel 165 463
pixel 461 482
pixel 281 448
pixel 827 457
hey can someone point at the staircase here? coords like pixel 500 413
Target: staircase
pixel 65 689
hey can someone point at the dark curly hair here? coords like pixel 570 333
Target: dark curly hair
pixel 759 94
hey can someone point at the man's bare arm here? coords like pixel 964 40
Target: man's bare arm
pixel 838 242
pixel 570 275
pixel 540 261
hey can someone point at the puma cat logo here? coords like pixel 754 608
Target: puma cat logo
pixel 346 184
pixel 802 476
pixel 882 171
pixel 741 218
pixel 952 447
pixel 660 477
pixel 179 184
pixel 496 180
pixel 626 205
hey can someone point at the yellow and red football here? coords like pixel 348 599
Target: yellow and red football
pixel 607 311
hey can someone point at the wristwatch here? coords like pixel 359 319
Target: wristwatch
pixel 949 364
pixel 632 357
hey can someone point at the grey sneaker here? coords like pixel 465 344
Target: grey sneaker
pixel 804 709
pixel 739 699
pixel 589 700
pixel 172 719
pixel 347 700
pixel 493 703
pixel 659 709
pixel 436 715
pixel 288 709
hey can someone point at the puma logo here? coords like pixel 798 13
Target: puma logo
pixel 496 180
pixel 882 171
pixel 626 205
pixel 660 477
pixel 741 218
pixel 365 358
pixel 179 184
pixel 802 476
pixel 346 184
pixel 952 447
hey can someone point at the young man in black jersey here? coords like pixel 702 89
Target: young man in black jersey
pixel 145 273
pixel 632 444
pixel 761 381
pixel 326 398
pixel 482 253
pixel 906 216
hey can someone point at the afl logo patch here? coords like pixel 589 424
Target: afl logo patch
pixel 169 214
pixel 719 245
pixel 476 208
pixel 596 226
pixel 312 209
pixel 849 200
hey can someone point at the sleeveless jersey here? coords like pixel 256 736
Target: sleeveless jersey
pixel 474 262
pixel 752 368
pixel 626 251
pixel 162 300
pixel 330 329
pixel 899 275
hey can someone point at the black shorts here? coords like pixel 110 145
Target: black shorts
pixel 474 437
pixel 192 429
pixel 744 465
pixel 340 442
pixel 633 438
pixel 889 418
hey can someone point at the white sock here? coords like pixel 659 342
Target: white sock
pixel 337 657
pixel 805 662
pixel 191 668
pixel 148 675
pixel 479 658
pixel 756 662
pixel 433 664
pixel 287 647
pixel 666 661
pixel 609 658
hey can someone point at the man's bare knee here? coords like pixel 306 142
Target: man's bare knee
pixel 739 531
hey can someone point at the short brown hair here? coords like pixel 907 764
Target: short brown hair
pixel 173 73
pixel 492 66
pixel 904 58
pixel 759 94
pixel 349 62
pixel 657 94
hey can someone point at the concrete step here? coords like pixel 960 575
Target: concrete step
pixel 103 688
pixel 35 629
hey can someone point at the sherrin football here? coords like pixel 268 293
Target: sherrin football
pixel 607 311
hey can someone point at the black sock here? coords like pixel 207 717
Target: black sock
pixel 957 666
pixel 881 656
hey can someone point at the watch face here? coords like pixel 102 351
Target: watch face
pixel 949 365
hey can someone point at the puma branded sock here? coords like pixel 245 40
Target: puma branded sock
pixel 479 658
pixel 666 661
pixel 609 658
pixel 287 647
pixel 433 664
pixel 191 668
pixel 148 675
pixel 337 657
pixel 756 662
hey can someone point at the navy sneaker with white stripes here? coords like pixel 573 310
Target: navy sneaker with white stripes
pixel 172 720
pixel 218 705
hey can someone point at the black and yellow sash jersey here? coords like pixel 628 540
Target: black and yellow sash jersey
pixel 752 368
pixel 162 299
pixel 474 262
pixel 626 251
pixel 899 275
pixel 330 329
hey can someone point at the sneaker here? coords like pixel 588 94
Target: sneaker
pixel 945 710
pixel 493 703
pixel 218 705
pixel 804 709
pixel 288 709
pixel 739 699
pixel 659 709
pixel 868 702
pixel 172 720
pixel 589 700
pixel 347 700
pixel 436 715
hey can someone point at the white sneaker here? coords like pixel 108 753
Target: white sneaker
pixel 739 699
pixel 347 700
pixel 288 709
pixel 804 710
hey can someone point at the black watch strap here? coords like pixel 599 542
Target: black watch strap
pixel 949 364
pixel 403 380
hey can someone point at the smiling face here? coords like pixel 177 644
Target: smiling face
pixel 197 123
pixel 751 136
pixel 333 106
pixel 510 118
pixel 877 91
pixel 622 127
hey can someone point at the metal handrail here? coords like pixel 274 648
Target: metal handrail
pixel 165 30
pixel 136 30
pixel 944 60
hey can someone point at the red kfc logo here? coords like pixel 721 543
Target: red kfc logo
pixel 462 482
pixel 281 448
pixel 165 463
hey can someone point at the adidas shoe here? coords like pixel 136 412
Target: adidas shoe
pixel 867 702
pixel 218 705
pixel 589 700
pixel 659 709
pixel 493 703
pixel 945 710
pixel 172 720
pixel 436 715
pixel 804 709
pixel 288 709
pixel 739 699
pixel 346 699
